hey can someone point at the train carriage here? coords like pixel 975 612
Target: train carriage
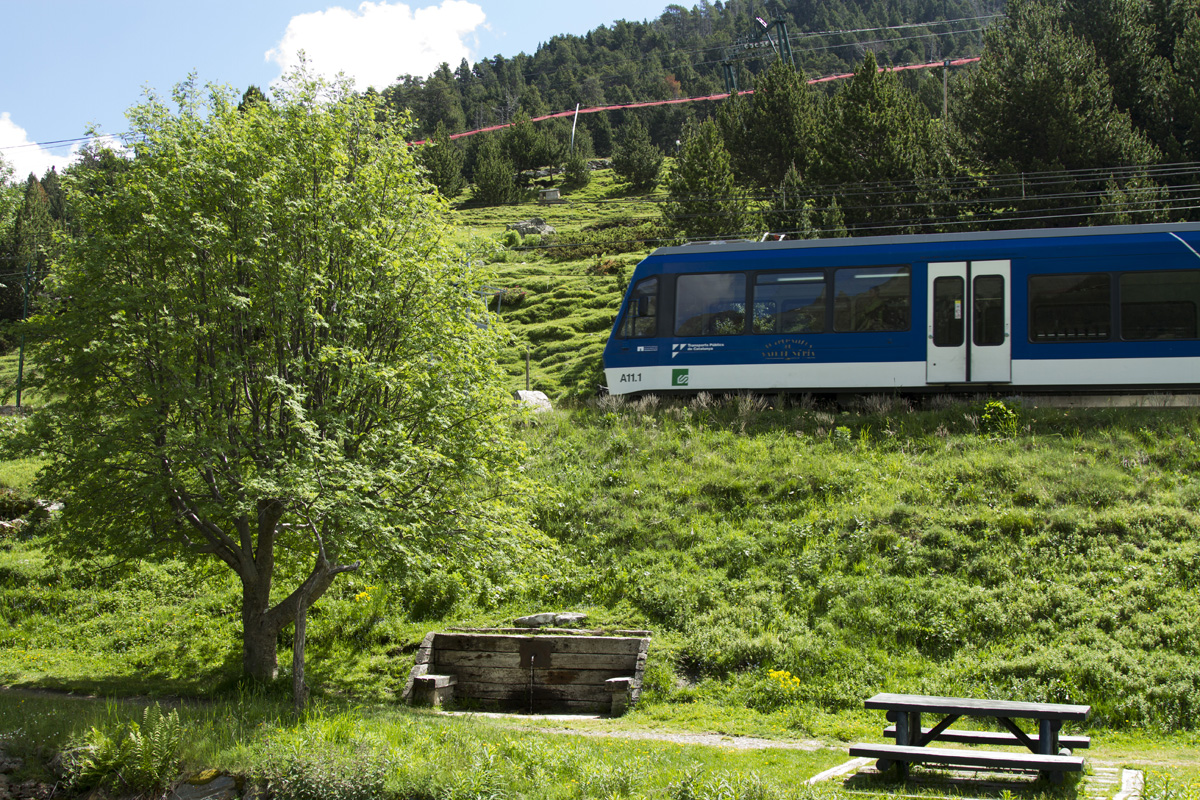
pixel 1087 309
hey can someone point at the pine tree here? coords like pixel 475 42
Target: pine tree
pixel 31 249
pixel 773 130
pixel 705 201
pixel 495 177
pixel 442 159
pixel 791 210
pixel 635 160
pixel 576 173
pixel 1041 101
pixel 884 142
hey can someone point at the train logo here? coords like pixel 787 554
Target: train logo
pixel 789 350
pixel 679 377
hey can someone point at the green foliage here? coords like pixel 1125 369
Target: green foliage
pixel 1036 70
pixel 443 159
pixel 774 130
pixel 326 775
pixel 1161 786
pixel 999 419
pixel 495 176
pixel 622 236
pixel 705 201
pixel 132 758
pixel 695 785
pixel 576 172
pixel 634 159
pixel 262 353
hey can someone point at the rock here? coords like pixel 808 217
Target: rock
pixel 535 225
pixel 222 787
pixel 562 619
pixel 533 400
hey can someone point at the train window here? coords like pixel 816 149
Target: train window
pixel 1070 308
pixel 641 315
pixel 871 299
pixel 1159 305
pixel 710 305
pixel 949 313
pixel 792 302
pixel 987 318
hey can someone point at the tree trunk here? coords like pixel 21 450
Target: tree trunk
pixel 299 690
pixel 260 635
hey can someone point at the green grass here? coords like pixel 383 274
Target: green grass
pixel 413 754
pixel 559 305
pixel 10 368
pixel 886 549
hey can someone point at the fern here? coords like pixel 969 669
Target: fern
pixel 138 758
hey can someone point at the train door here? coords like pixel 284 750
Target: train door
pixel 969 323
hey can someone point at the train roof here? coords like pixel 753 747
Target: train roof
pixel 929 238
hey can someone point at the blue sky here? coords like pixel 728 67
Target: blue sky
pixel 66 65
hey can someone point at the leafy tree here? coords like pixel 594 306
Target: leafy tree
pixel 495 177
pixel 263 356
pixel 443 159
pixel 705 201
pixel 635 160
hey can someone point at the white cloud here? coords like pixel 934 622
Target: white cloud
pixel 380 41
pixel 26 157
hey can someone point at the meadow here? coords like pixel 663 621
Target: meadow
pixel 790 558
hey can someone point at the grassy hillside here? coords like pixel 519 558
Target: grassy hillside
pixel 558 296
pixel 994 551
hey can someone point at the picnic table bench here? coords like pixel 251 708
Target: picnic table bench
pixel 1044 755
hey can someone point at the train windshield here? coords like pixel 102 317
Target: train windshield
pixel 641 315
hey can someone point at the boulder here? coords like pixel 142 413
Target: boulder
pixel 535 225
pixel 533 400
pixel 561 619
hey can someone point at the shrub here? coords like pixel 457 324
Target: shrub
pixel 998 419
pixel 322 774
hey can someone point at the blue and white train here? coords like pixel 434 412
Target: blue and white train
pixel 1088 309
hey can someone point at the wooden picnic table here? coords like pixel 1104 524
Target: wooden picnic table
pixel 913 740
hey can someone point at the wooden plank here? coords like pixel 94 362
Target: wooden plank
pixel 992 737
pixel 450 659
pixel 977 707
pixel 503 643
pixel 550 677
pixel 981 759
pixel 520 694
